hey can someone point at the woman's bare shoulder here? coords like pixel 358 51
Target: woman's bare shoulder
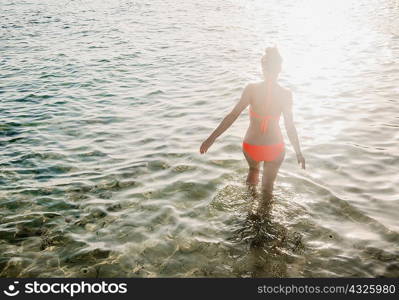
pixel 286 95
pixel 253 85
pixel 286 91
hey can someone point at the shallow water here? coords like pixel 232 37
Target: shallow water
pixel 104 105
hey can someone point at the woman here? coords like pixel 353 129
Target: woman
pixel 263 141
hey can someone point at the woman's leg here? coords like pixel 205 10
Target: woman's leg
pixel 253 172
pixel 270 170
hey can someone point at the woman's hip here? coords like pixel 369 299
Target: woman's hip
pixel 268 152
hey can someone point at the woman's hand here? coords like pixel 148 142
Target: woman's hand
pixel 206 144
pixel 301 160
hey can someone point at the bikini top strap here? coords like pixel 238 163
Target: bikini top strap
pixel 264 119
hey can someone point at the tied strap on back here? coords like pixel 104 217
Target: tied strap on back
pixel 264 124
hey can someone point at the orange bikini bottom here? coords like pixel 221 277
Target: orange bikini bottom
pixel 263 152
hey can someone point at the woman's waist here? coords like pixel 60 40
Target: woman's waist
pixel 268 138
pixel 263 144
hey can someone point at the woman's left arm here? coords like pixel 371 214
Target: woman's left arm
pixel 228 120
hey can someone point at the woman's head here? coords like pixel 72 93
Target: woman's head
pixel 271 63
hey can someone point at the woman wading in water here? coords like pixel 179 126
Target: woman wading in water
pixel 263 142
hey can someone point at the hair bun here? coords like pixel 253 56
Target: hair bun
pixel 272 60
pixel 272 52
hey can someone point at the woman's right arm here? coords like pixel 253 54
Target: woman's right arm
pixel 229 119
pixel 291 129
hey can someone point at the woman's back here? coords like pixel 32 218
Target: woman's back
pixel 265 108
